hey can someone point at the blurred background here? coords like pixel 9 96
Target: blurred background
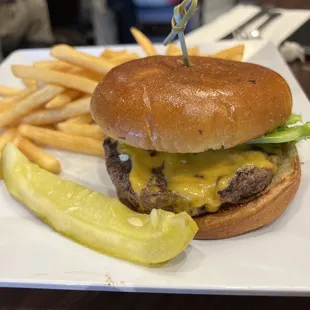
pixel 41 23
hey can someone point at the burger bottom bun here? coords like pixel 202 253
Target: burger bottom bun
pixel 262 210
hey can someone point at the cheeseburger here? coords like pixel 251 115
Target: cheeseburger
pixel 183 139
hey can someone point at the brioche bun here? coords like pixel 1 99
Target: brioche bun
pixel 157 103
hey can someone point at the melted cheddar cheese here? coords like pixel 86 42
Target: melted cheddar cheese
pixel 196 178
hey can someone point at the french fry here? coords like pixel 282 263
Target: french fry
pixel 40 84
pixel 32 102
pixel 54 65
pixel 37 155
pixel 87 74
pixel 64 98
pixel 7 136
pixel 49 126
pixel 50 116
pixel 84 73
pixel 85 130
pixel 61 140
pixel 21 95
pixel 6 91
pixel 194 51
pixel 124 58
pixel 82 119
pixel 75 70
pixel 55 77
pixel 30 83
pixel 9 102
pixel 173 50
pixel 7 106
pixel 143 41
pixel 108 53
pixel 234 53
pixel 177 52
pixel 69 54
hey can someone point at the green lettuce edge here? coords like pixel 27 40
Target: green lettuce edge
pixel 287 132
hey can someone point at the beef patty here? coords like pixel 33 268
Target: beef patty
pixel 247 182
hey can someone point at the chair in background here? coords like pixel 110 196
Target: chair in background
pixel 153 17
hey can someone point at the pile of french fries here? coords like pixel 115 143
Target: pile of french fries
pixel 54 108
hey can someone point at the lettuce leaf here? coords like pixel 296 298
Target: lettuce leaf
pixel 285 134
pixel 295 118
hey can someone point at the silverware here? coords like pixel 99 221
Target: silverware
pixel 256 33
pixel 264 10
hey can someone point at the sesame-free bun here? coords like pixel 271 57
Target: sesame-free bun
pixel 157 103
pixel 259 211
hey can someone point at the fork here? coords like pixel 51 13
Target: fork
pixel 257 32
pixel 265 9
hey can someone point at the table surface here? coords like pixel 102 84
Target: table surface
pixel 57 300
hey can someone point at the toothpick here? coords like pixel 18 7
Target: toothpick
pixel 178 23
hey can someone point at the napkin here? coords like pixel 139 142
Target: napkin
pixel 276 32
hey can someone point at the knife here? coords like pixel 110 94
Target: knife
pixel 264 10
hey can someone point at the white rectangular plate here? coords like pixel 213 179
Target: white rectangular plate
pixel 271 260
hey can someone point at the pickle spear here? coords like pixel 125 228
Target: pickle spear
pixel 92 219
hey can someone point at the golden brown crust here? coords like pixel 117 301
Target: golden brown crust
pixel 259 212
pixel 158 103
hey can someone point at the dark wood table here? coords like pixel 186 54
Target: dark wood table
pixel 54 299
pixel 76 300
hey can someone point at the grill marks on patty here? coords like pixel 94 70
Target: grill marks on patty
pixel 248 181
pixel 156 194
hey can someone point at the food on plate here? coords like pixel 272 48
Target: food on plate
pixel 51 116
pixel 143 41
pixel 62 99
pixel 71 55
pixel 111 54
pixel 124 58
pixel 28 104
pixel 9 102
pixel 94 220
pixel 30 83
pixel 61 140
pixel 37 155
pixel 52 76
pixel 234 53
pixel 285 134
pixel 6 91
pixel 211 139
pixel 84 130
pixel 82 119
pixel 171 49
pixel 56 100
pixel 57 65
pixel 174 50
pixel 6 137
pixel 76 75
